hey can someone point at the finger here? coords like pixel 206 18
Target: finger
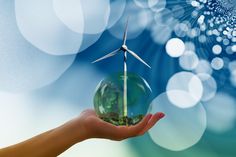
pixel 153 121
pixel 155 118
pixel 120 132
pixel 134 130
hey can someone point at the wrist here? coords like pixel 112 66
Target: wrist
pixel 75 131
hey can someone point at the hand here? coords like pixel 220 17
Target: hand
pixel 87 125
pixel 94 127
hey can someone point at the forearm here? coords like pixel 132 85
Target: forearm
pixel 49 144
pixel 87 125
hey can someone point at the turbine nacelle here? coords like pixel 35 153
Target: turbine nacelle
pixel 123 48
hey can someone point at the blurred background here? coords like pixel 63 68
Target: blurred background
pixel 46 75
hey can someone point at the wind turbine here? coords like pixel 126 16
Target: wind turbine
pixel 123 49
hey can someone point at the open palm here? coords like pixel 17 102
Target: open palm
pixel 97 128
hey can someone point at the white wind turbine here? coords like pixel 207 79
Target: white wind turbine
pixel 123 49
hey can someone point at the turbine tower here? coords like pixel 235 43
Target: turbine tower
pixel 123 49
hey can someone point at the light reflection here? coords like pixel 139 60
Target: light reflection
pixel 22 66
pixel 47 33
pixel 221 113
pixel 189 84
pixel 181 128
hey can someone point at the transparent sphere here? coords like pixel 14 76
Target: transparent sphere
pixel 109 99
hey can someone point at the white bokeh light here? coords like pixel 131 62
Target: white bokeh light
pixel 232 66
pixel 157 5
pixel 190 46
pixel 138 20
pixel 162 26
pixel 116 11
pixel 95 14
pixel 233 48
pixel 203 67
pixel 233 78
pixel 186 84
pixel 166 17
pixel 22 66
pixel 160 33
pixel 217 63
pixel 209 86
pixel 181 99
pixel 175 47
pixel 181 128
pixel 221 113
pixel 88 40
pixel 74 13
pixel 77 14
pixel 217 49
pixel 189 60
pixel 40 26
pixel 70 12
pixel 181 29
pixel 178 11
pixel 232 70
pixel 216 18
pixel 142 3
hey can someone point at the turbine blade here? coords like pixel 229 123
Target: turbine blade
pixel 126 31
pixel 107 56
pixel 137 57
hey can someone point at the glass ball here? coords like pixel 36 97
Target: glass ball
pixel 109 99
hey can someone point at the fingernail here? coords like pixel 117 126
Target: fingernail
pixel 161 115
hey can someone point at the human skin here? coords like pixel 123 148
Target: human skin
pixel 86 126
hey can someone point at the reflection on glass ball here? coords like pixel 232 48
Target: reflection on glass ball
pixel 109 99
